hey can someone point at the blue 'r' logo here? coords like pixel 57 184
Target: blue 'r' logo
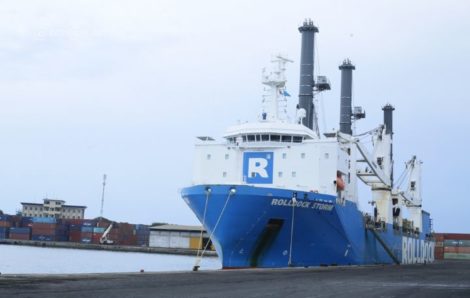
pixel 258 167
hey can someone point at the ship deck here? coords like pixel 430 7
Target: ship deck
pixel 442 278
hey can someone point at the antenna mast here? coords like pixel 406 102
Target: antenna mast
pixel 102 196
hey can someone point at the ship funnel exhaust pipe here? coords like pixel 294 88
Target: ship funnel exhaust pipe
pixel 388 119
pixel 345 119
pixel 306 81
pixel 388 122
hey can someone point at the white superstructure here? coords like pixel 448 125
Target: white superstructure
pixel 301 160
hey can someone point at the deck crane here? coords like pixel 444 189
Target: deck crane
pixel 104 238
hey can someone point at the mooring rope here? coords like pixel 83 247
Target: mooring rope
pixel 208 192
pixel 198 261
pixel 294 202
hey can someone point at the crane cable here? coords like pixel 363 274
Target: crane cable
pixel 402 177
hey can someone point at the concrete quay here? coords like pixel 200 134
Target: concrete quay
pixel 440 279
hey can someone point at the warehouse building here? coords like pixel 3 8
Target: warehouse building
pixel 178 236
pixel 53 208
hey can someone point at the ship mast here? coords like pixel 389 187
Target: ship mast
pixel 276 80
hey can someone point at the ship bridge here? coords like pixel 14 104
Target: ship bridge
pixel 268 133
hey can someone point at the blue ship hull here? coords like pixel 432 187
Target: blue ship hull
pixel 259 227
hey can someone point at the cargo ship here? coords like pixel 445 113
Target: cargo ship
pixel 276 192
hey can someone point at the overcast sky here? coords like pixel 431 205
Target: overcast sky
pixel 123 88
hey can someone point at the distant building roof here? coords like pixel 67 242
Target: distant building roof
pixel 69 206
pixel 23 203
pixel 74 206
pixel 181 228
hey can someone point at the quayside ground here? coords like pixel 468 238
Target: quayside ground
pixel 440 279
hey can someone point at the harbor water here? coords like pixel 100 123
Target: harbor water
pixel 41 260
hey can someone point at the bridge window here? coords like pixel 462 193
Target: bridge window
pixel 266 138
pixel 294 174
pixel 275 138
pixel 284 155
pixel 279 174
pixel 224 174
pixel 227 156
pixel 302 155
pixel 208 156
pixel 287 139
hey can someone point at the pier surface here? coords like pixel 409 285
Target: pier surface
pixel 440 279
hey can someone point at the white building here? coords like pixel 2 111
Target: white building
pixel 53 208
pixel 178 236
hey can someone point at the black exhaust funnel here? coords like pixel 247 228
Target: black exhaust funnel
pixel 306 81
pixel 345 119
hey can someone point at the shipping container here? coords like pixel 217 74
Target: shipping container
pixel 439 237
pixel 75 227
pixel 87 229
pixel 96 238
pixel 449 255
pixel 43 237
pixel 41 225
pixel 43 220
pixel 98 230
pixel 5 224
pixel 455 236
pixel 4 232
pixel 75 221
pixel 85 240
pixel 457 249
pixel 88 222
pixel 457 243
pixel 26 221
pixel 20 236
pixel 15 221
pixel 439 253
pixel 43 231
pixel 26 230
pixel 5 217
pixel 75 236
